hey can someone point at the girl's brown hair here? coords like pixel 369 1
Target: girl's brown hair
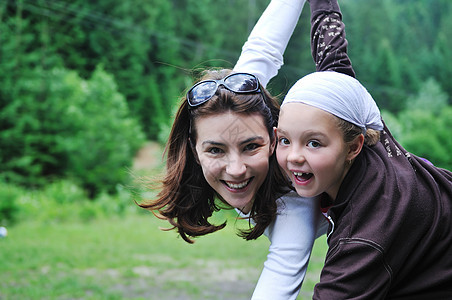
pixel 186 200
pixel 351 131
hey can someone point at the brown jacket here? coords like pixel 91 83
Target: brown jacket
pixel 392 235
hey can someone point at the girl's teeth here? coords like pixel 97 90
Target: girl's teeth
pixel 302 175
pixel 298 173
pixel 240 185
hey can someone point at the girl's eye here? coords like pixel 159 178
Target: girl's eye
pixel 214 150
pixel 284 141
pixel 313 144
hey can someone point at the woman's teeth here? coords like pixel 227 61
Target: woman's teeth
pixel 237 186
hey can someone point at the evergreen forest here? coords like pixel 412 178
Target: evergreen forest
pixel 84 84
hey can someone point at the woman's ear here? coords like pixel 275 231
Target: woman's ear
pixel 193 150
pixel 355 147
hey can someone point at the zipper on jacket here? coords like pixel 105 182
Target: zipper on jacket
pixel 332 226
pixel 330 220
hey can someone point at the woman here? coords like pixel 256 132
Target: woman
pixel 222 147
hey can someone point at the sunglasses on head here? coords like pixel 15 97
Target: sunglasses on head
pixel 240 83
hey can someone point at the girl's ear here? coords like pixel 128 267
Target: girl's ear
pixel 355 147
pixel 193 150
pixel 273 141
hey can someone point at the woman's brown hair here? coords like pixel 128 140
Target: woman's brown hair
pixel 186 200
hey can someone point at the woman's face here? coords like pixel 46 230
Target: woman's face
pixel 311 149
pixel 233 151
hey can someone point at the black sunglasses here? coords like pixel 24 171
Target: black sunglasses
pixel 240 83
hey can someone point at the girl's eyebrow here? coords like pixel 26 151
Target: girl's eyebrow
pixel 308 134
pixel 313 133
pixel 281 130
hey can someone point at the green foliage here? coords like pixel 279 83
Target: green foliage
pixel 430 98
pixel 423 128
pixel 397 45
pixel 392 123
pixel 9 207
pixel 394 45
pixel 50 52
pixel 103 138
pixel 428 135
pixel 61 201
pixel 62 125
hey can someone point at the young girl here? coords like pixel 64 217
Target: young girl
pixel 390 210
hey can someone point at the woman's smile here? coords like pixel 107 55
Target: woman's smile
pixel 237 186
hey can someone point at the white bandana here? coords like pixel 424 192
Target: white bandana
pixel 338 94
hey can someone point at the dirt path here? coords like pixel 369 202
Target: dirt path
pixel 148 157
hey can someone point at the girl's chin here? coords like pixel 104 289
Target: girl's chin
pixel 303 192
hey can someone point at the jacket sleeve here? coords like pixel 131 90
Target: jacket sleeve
pixel 328 42
pixel 292 236
pixel 262 53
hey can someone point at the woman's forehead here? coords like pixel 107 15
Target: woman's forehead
pixel 230 126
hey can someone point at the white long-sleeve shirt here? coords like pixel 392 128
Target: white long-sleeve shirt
pixel 299 220
pixel 262 53
pixel 298 223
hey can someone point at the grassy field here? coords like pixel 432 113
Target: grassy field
pixel 130 258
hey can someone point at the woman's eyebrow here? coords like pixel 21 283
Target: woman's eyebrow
pixel 248 140
pixel 212 143
pixel 252 139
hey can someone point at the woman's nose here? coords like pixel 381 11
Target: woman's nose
pixel 235 166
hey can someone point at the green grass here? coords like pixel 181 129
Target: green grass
pixel 130 258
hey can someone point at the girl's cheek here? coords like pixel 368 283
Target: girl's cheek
pixel 280 157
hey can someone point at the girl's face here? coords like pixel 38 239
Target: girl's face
pixel 233 151
pixel 311 149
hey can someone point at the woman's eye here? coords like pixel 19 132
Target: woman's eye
pixel 214 150
pixel 251 147
pixel 313 144
pixel 284 141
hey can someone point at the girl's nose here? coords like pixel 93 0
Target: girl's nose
pixel 295 156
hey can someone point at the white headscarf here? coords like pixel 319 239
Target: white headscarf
pixel 338 94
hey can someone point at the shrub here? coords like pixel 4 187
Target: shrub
pixel 423 128
pixel 58 124
pixel 9 207
pixel 65 201
pixel 107 138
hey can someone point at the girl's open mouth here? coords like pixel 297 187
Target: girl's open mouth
pixel 302 176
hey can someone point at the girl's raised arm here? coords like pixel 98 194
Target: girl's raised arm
pixel 328 43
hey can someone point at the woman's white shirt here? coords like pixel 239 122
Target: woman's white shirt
pixel 262 53
pixel 298 223
pixel 299 220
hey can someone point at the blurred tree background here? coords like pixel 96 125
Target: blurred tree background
pixel 85 83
